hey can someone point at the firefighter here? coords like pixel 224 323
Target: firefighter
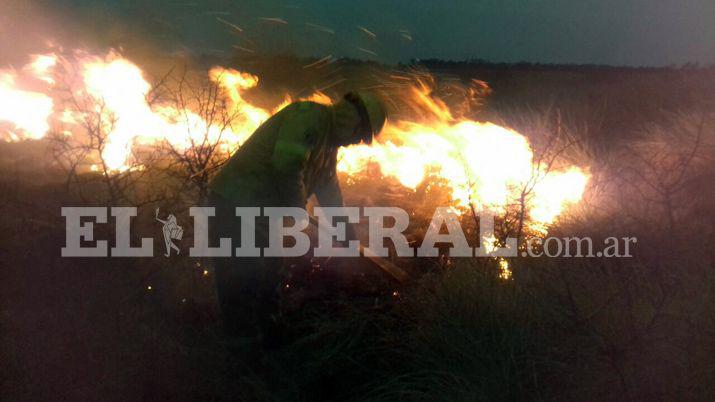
pixel 290 157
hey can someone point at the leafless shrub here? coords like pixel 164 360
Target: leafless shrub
pixel 195 162
pixel 79 145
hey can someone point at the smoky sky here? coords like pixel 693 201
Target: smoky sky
pixel 615 32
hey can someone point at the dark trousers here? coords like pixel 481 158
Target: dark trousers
pixel 248 287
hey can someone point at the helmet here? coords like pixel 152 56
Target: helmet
pixel 372 113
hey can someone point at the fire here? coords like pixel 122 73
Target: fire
pixel 236 82
pixel 469 155
pixel 42 65
pixel 485 165
pixel 119 87
pixel 26 110
pixel 556 191
pixel 119 91
pixel 504 269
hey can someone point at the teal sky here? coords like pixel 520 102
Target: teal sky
pixel 616 32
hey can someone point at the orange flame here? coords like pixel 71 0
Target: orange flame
pixel 486 165
pixel 25 109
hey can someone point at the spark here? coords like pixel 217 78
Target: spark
pixel 321 61
pixel 245 49
pixel 234 26
pixel 275 20
pixel 367 51
pixel 367 32
pixel 400 77
pixel 340 81
pixel 320 28
pixel 504 270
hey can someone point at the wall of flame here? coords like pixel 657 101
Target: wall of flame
pixel 485 164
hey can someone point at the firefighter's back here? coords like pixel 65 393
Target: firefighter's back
pixel 247 177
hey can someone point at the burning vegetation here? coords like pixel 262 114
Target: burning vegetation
pixel 105 115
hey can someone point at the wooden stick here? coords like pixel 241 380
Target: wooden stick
pixel 387 266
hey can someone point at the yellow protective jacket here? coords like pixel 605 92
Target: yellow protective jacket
pixel 288 158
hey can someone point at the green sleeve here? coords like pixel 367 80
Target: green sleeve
pixel 328 191
pixel 329 195
pixel 290 156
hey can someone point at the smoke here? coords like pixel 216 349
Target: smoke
pixel 31 27
pixel 25 28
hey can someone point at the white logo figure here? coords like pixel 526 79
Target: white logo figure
pixel 171 231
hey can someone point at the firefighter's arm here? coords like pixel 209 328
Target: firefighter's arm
pixel 289 160
pixel 328 191
pixel 330 195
